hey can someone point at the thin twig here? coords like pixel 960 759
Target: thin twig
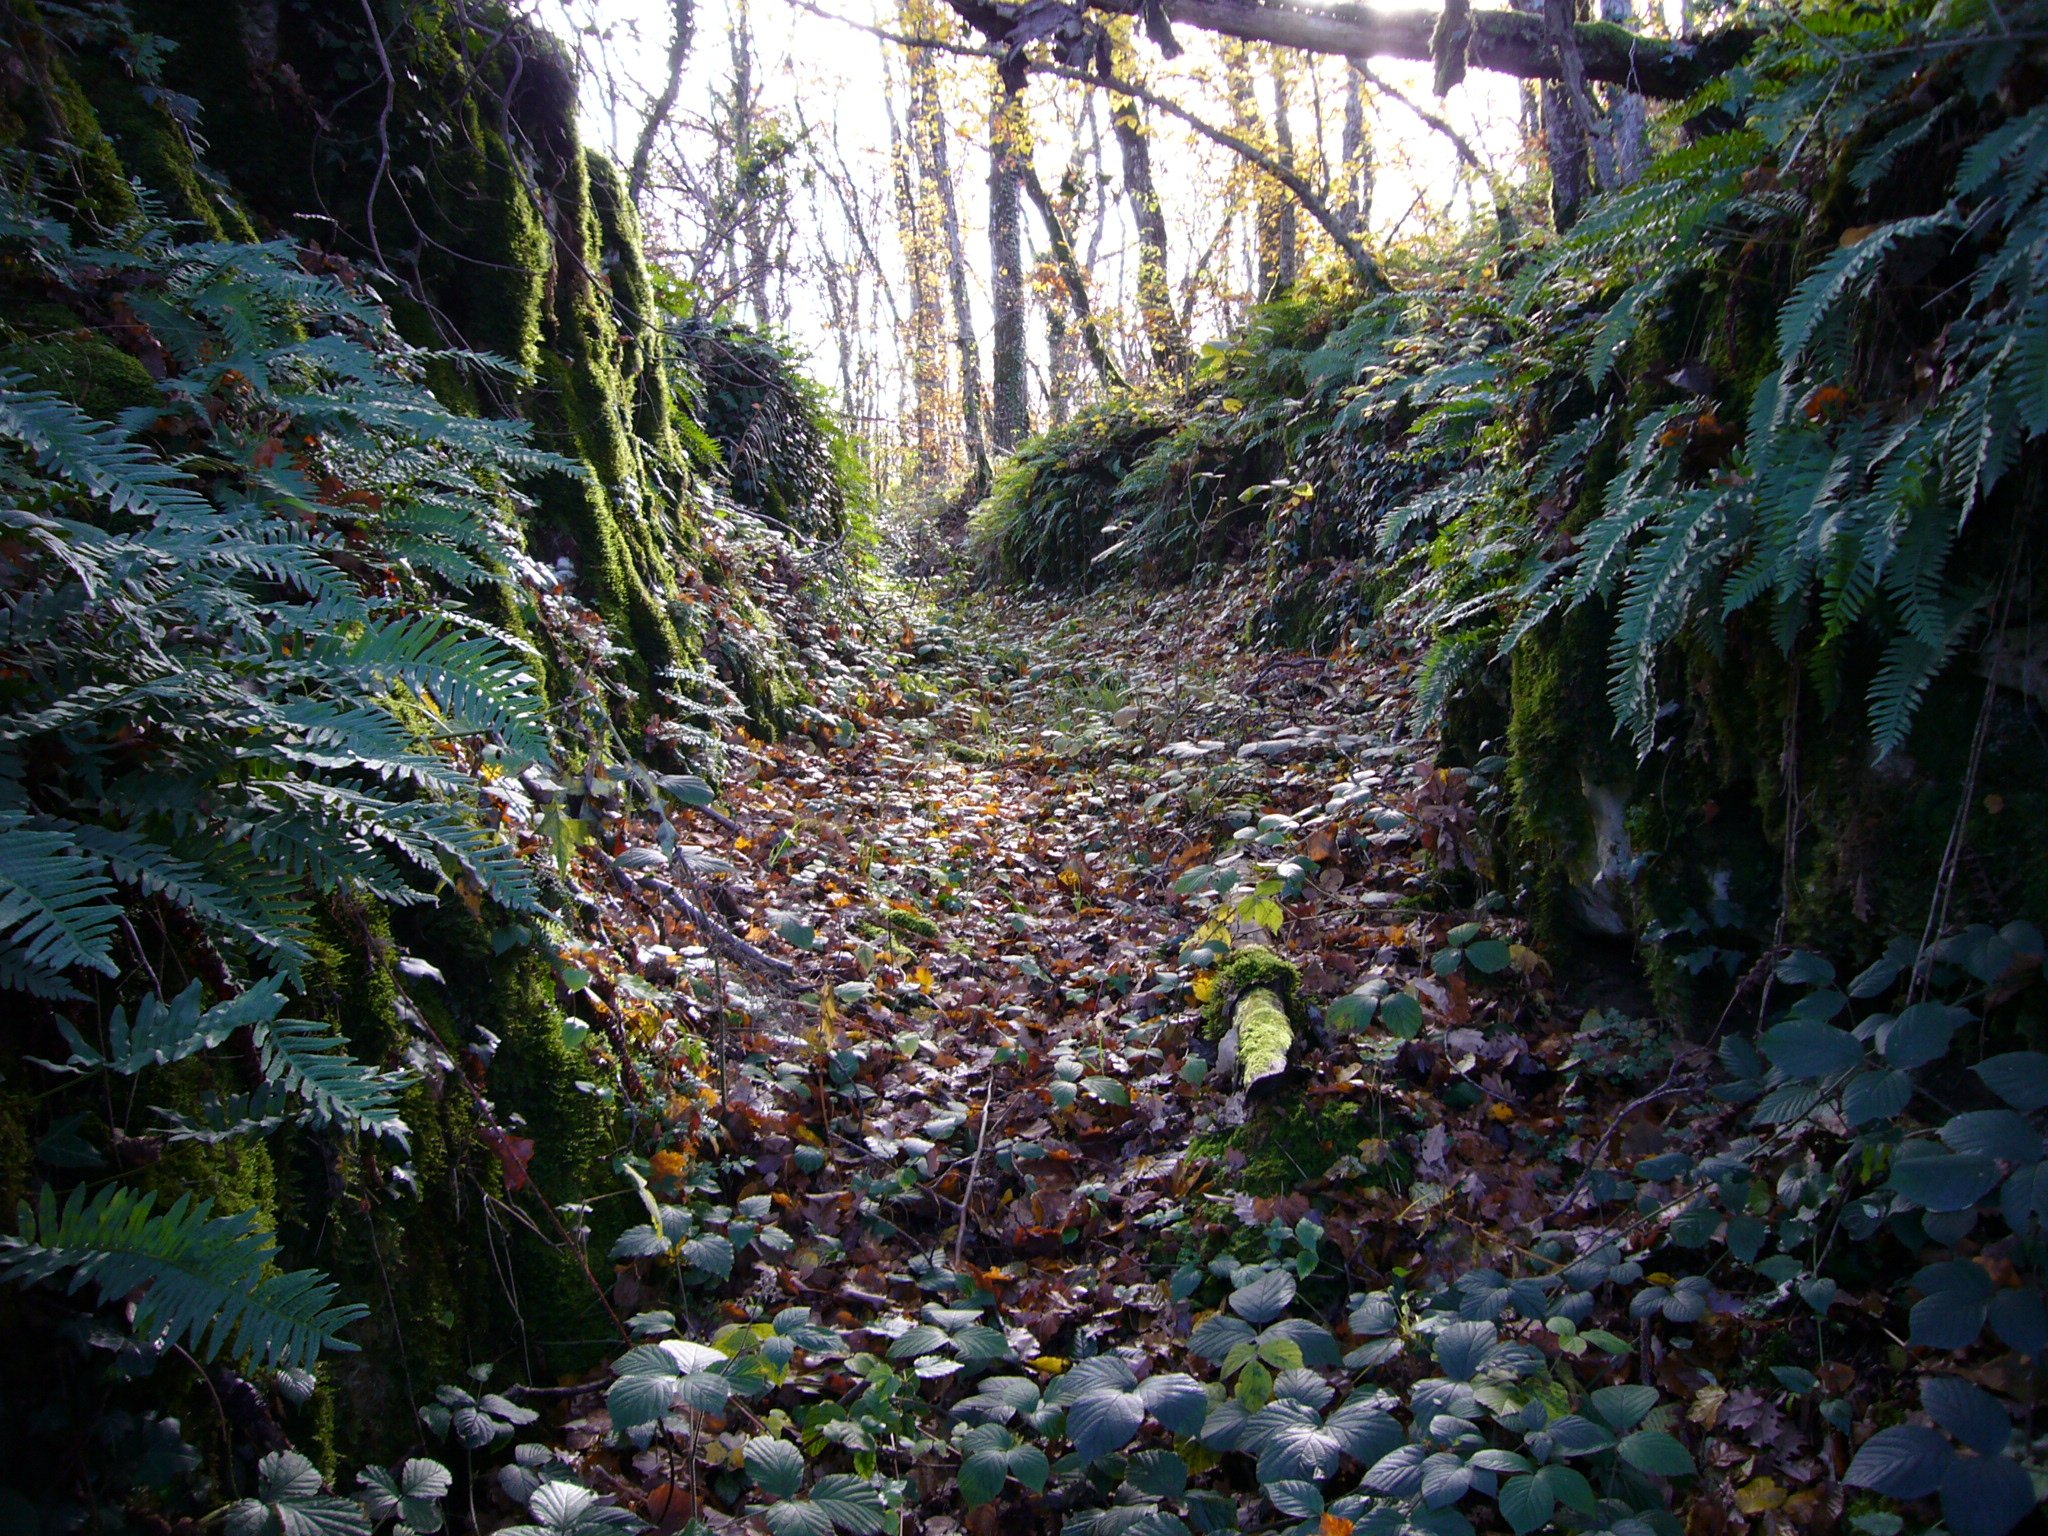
pixel 383 134
pixel 974 1169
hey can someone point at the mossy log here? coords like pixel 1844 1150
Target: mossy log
pixel 1265 1036
pixel 1256 1008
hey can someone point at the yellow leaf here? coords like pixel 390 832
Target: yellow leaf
pixel 924 978
pixel 669 1165
pixel 1205 986
pixel 1762 1494
pixel 1052 1365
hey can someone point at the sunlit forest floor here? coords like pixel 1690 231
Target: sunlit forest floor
pixel 1007 1137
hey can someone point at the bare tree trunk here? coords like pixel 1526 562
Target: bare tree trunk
pixel 1354 205
pixel 747 170
pixel 1168 342
pixel 1565 124
pixel 928 135
pixel 1268 198
pixel 1286 224
pixel 1623 154
pixel 925 339
pixel 1009 143
pixel 1072 278
pixel 684 16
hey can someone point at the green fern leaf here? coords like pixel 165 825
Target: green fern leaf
pixel 57 910
pixel 205 1281
pixel 312 1061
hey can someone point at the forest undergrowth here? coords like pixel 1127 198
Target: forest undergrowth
pixel 959 1221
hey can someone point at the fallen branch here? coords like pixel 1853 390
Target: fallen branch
pixel 715 933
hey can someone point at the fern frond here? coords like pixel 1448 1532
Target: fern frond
pixel 206 1281
pixel 57 909
pixel 312 1061
pixel 93 454
pixel 1823 292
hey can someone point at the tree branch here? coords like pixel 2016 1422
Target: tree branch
pixel 1072 277
pixel 1287 176
pixel 1504 42
pixel 685 13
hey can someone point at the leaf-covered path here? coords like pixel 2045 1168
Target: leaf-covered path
pixel 1002 886
pixel 955 1177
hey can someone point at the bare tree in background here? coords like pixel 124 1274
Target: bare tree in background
pixel 683 22
pixel 1163 333
pixel 1009 146
pixel 928 137
pixel 1622 154
pixel 1355 171
pixel 928 406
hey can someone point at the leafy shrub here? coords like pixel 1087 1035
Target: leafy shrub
pixel 1046 514
pixel 779 446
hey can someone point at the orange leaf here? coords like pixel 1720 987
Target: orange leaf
pixel 515 1152
pixel 1335 1525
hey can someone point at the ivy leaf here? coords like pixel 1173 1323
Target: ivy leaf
pixel 1905 1462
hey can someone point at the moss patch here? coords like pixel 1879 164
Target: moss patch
pixel 1252 968
pixel 1288 1145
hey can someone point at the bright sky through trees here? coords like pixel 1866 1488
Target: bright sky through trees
pixel 831 84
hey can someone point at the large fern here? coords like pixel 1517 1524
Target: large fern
pixel 1836 517
pixel 205 1282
